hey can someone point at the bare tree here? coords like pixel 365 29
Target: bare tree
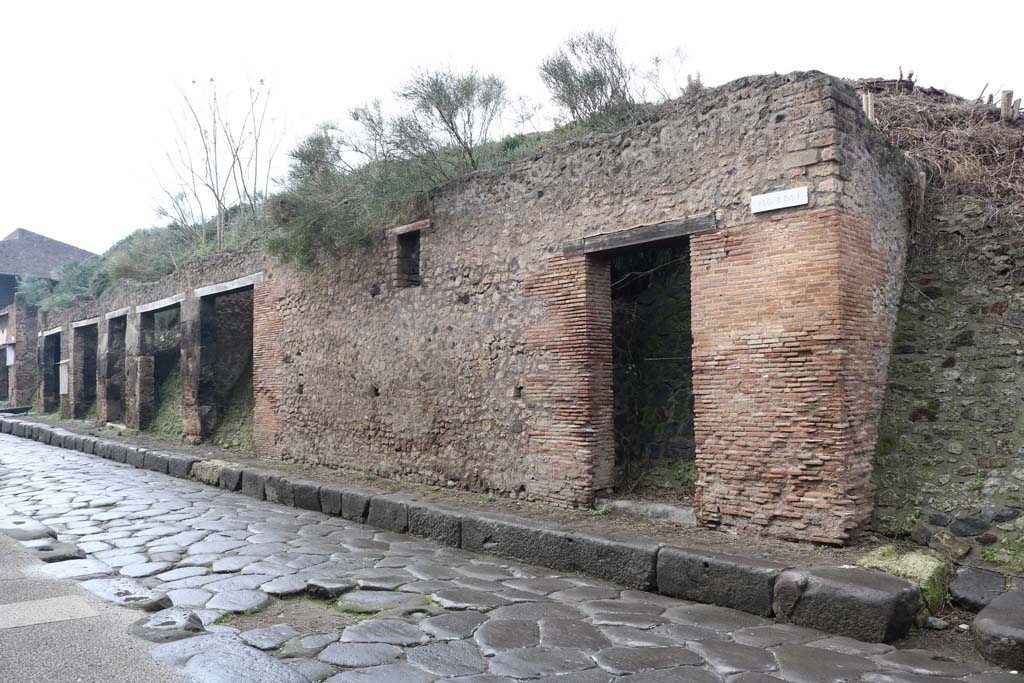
pixel 219 160
pixel 665 73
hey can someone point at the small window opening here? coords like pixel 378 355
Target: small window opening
pixel 408 259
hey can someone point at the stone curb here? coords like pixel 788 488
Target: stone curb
pixel 847 601
pixel 998 631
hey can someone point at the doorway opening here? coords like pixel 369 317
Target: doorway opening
pixel 225 392
pixel 51 372
pixel 117 337
pixel 86 347
pixel 160 339
pixel 652 371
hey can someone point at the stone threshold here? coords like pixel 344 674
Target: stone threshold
pixel 848 601
pixel 677 514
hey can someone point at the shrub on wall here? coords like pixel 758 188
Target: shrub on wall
pixel 343 186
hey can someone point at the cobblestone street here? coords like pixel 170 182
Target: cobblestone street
pixel 199 560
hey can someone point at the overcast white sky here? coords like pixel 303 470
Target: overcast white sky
pixel 89 88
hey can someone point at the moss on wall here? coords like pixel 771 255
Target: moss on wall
pixel 951 438
pixel 234 428
pixel 167 420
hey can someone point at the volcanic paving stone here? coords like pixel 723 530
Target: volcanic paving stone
pixel 463 598
pixel 730 658
pixel 284 586
pixel 367 602
pixel 502 620
pixel 308 646
pixel 713 617
pixel 238 601
pixel 534 662
pixel 975 588
pixel 776 634
pixel 240 666
pixel 57 551
pixel 269 638
pixel 390 631
pixel 631 660
pixel 802 664
pixel 24 529
pixel 78 569
pixel 189 597
pixel 571 633
pixel 312 669
pixel 999 630
pixel 452 658
pixel 355 655
pixel 849 646
pixel 128 593
pixel 497 636
pixel 389 673
pixel 925 663
pixel 141 569
pixel 167 625
pixel 328 589
pixel 452 625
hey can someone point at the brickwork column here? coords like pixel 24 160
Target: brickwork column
pixel 140 397
pixel 67 362
pixel 267 366
pixel 787 328
pixel 572 446
pixel 24 373
pixel 40 376
pixel 103 370
pixel 198 325
pixel 75 399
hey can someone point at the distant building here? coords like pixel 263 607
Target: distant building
pixel 24 253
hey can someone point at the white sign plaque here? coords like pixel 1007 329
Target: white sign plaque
pixel 760 203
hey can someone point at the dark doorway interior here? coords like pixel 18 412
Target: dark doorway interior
pixel 51 372
pixel 86 347
pixel 225 376
pixel 117 333
pixel 653 370
pixel 167 386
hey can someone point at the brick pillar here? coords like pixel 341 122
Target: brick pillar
pixel 110 382
pixel 23 375
pixel 267 361
pixel 788 323
pixel 66 401
pixel 140 398
pixel 39 405
pixel 103 371
pixel 572 444
pixel 76 374
pixel 198 325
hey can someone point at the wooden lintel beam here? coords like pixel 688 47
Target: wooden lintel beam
pixel 642 234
